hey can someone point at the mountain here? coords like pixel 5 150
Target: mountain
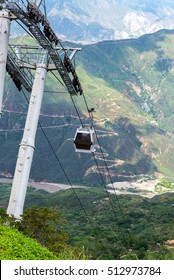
pixel 98 20
pixel 130 84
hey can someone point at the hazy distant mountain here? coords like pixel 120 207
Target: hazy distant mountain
pixel 97 20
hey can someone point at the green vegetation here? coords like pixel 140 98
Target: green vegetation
pixel 164 186
pixel 44 225
pixel 38 235
pixel 15 246
pixel 106 227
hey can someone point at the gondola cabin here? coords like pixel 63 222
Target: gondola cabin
pixel 84 140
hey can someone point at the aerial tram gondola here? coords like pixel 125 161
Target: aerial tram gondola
pixel 84 140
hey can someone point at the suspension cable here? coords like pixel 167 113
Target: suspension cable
pixel 104 184
pixel 106 166
pixel 68 180
pixel 111 202
pixel 91 118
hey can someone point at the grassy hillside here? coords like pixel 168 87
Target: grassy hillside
pixel 129 82
pixel 15 246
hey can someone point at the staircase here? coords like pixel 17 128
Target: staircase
pixel 37 33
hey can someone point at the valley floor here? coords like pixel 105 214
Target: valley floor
pixel 144 188
pixel 49 187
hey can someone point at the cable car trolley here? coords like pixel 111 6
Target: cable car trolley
pixel 84 140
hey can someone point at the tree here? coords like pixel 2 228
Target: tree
pixel 44 225
pixel 6 219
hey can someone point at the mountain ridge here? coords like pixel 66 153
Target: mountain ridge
pixel 109 20
pixel 130 85
pixel 93 21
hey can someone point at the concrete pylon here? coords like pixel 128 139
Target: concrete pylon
pixel 27 146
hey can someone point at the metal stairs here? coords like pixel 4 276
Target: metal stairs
pixel 43 41
pixel 24 76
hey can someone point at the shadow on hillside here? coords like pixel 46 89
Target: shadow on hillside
pixel 164 65
pixel 128 148
pixel 149 42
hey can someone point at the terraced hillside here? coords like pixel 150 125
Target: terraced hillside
pixel 130 83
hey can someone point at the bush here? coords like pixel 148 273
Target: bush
pixel 44 225
pixel 15 246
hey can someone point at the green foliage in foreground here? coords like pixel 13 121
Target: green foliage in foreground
pixel 45 225
pixel 15 246
pixel 38 227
